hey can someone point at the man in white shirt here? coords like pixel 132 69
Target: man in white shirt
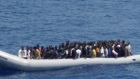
pixel 78 53
pixel 22 53
pixel 28 53
pixel 102 52
pixel 128 49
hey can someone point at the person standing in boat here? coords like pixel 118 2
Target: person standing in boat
pixel 22 53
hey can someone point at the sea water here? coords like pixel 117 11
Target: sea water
pixel 51 22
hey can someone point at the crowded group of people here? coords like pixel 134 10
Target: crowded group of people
pixel 101 48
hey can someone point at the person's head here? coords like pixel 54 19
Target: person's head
pixel 123 42
pixel 67 42
pixel 22 47
pixel 31 48
pixel 42 47
pixel 56 47
pixel 128 43
pixel 37 46
pixel 118 40
pixel 47 48
pixel 27 47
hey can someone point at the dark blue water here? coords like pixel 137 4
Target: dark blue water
pixel 29 22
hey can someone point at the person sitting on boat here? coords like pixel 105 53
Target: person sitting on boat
pixel 66 53
pixel 73 52
pixel 109 51
pixel 128 51
pixel 42 50
pixel 122 49
pixel 129 48
pixel 78 53
pixel 115 54
pixel 32 54
pixel 118 48
pixel 93 52
pixel 22 53
pixel 106 51
pixel 87 50
pixel 102 51
pixel 90 51
pixel 37 53
pixel 97 51
pixel 28 52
